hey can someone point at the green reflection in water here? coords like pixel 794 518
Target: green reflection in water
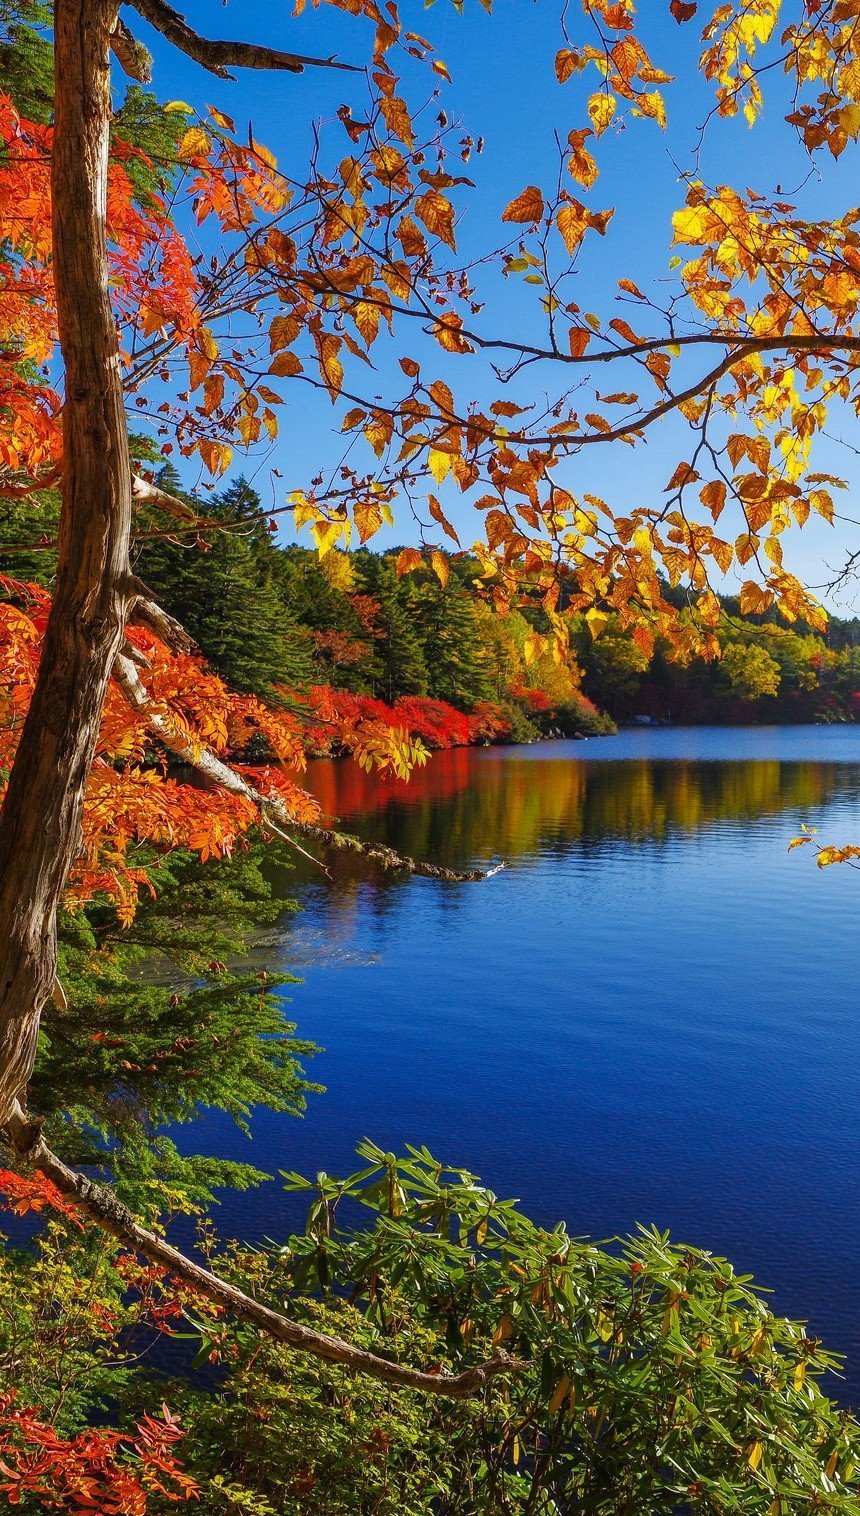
pixel 467 804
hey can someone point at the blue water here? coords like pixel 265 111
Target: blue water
pixel 649 1016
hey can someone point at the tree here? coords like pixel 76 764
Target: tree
pixel 400 663
pixel 750 670
pixel 214 589
pixel 320 264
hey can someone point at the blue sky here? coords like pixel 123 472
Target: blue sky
pixel 505 91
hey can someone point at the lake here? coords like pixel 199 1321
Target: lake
pixel 649 1016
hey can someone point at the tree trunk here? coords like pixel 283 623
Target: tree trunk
pixel 40 822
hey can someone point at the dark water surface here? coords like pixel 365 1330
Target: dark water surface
pixel 650 1016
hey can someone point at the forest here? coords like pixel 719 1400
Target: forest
pixel 433 658
pixel 170 290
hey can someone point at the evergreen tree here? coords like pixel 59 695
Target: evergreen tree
pixel 459 665
pixel 400 666
pixel 228 596
pixel 321 600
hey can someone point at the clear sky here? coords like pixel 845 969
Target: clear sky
pixel 505 91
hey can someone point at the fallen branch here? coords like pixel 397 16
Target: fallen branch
pixel 100 1205
pixel 217 56
pixel 218 772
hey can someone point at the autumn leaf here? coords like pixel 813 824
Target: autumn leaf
pixel 568 62
pixel 396 115
pixel 283 331
pixel 285 365
pixel 331 368
pixel 411 238
pixel 601 111
pixel 194 144
pixel 528 206
pixel 578 339
pixel 581 165
pixel 439 516
pixel 447 332
pixel 439 463
pixel 441 567
pixel 684 474
pixel 408 559
pixel 572 222
pixel 437 213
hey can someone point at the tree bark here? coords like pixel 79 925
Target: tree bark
pixel 40 820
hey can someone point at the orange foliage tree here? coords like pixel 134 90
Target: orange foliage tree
pixel 108 314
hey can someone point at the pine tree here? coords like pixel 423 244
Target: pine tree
pixel 228 597
pixel 459 665
pixel 399 666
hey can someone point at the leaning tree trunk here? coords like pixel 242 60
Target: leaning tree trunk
pixel 40 822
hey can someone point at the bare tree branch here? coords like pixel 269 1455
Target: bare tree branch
pixel 100 1205
pixel 146 612
pixel 145 493
pixel 217 56
pixel 134 59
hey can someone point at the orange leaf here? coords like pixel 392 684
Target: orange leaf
pixel 528 207
pixel 437 213
pixel 408 559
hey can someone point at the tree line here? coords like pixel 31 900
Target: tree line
pixel 353 623
pixel 435 657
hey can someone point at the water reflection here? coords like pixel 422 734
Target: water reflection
pixel 649 1016
pixel 469 804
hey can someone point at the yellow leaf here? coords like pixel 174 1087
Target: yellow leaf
pixel 533 646
pixel 331 367
pixel 559 1393
pixel 206 343
pixel 527 207
pixel 754 1453
pixel 195 143
pixel 441 567
pixel 397 119
pixel 325 535
pixel 601 110
pixel 440 464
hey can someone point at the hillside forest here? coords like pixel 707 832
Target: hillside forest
pixel 348 635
